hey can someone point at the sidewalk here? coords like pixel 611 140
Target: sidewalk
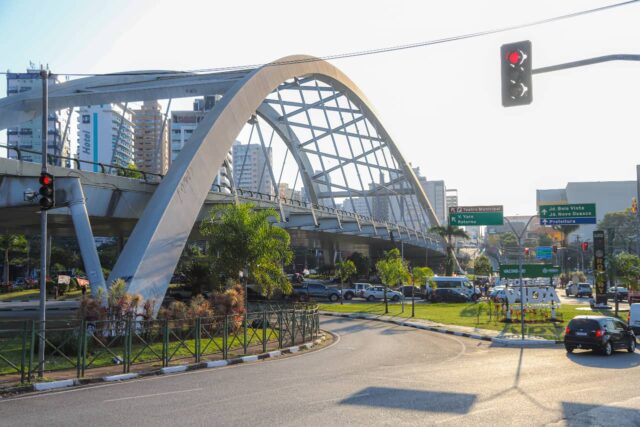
pixel 496 337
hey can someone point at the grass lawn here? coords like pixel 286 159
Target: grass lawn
pixel 151 352
pixel 24 294
pixel 472 315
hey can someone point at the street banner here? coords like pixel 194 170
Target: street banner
pixel 599 266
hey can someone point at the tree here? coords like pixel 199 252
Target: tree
pixel 345 269
pixel 566 230
pixel 627 266
pixel 11 244
pixel 545 240
pixel 448 233
pixel 362 263
pixel 624 226
pixel 421 274
pixel 482 266
pixel 130 171
pixel 241 237
pixel 393 271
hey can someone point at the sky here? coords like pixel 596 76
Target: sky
pixel 441 103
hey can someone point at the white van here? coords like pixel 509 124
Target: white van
pixel 634 318
pixel 459 283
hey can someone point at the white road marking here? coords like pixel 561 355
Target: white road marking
pixel 584 389
pixel 144 396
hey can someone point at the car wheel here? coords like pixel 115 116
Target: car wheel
pixel 569 349
pixel 395 298
pixel 333 297
pixel 632 345
pixel 348 296
pixel 371 298
pixel 607 350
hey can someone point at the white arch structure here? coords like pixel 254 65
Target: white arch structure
pixel 151 254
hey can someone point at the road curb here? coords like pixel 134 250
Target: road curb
pixel 53 385
pixel 411 324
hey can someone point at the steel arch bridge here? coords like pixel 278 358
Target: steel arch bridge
pixel 343 153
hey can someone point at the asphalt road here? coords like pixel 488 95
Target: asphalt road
pixel 375 374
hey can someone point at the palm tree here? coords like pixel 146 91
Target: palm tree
pixel 448 233
pixel 11 243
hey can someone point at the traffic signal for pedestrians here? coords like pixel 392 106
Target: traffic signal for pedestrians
pixel 515 63
pixel 555 249
pixel 47 192
pixel 585 246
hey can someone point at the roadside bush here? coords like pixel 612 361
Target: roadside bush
pixel 230 303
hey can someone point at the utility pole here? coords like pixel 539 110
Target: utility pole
pixel 44 75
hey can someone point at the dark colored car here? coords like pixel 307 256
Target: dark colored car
pixel 308 291
pixel 448 295
pixel 623 293
pixel 407 289
pixel 600 333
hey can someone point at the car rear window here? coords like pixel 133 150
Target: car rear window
pixel 584 324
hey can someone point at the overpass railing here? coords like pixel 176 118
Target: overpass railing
pixel 149 177
pixel 56 160
pixel 78 348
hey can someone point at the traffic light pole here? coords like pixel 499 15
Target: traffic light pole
pixel 44 75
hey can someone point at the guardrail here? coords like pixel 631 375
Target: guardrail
pixel 111 169
pixel 74 348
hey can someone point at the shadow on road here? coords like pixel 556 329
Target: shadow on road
pixel 351 328
pixel 593 359
pixel 581 414
pixel 415 400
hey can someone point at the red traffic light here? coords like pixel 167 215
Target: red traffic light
pixel 46 179
pixel 526 251
pixel 585 246
pixel 514 57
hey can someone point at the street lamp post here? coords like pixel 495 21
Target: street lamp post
pixel 520 262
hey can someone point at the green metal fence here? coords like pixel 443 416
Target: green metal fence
pixel 74 347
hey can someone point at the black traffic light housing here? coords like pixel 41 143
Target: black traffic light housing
pixel 515 64
pixel 555 249
pixel 47 191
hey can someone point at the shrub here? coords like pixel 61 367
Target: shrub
pixel 230 303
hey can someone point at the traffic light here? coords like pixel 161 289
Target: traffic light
pixel 555 249
pixel 515 63
pixel 585 246
pixel 634 205
pixel 47 192
pixel 526 251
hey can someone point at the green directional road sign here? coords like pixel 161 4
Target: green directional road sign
pixel 510 271
pixel 475 215
pixel 582 213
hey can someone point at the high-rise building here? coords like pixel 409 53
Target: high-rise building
pixel 287 192
pixel 452 198
pixel 436 193
pixel 28 135
pixel 105 135
pixel 250 167
pixel 184 123
pixel 151 142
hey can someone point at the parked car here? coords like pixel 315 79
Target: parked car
pixel 357 290
pixel 633 319
pixel 309 290
pixel 448 295
pixel 20 282
pixel 377 293
pixel 407 290
pixel 584 290
pixel 459 283
pixel 623 293
pixel 600 333
pixel 579 290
